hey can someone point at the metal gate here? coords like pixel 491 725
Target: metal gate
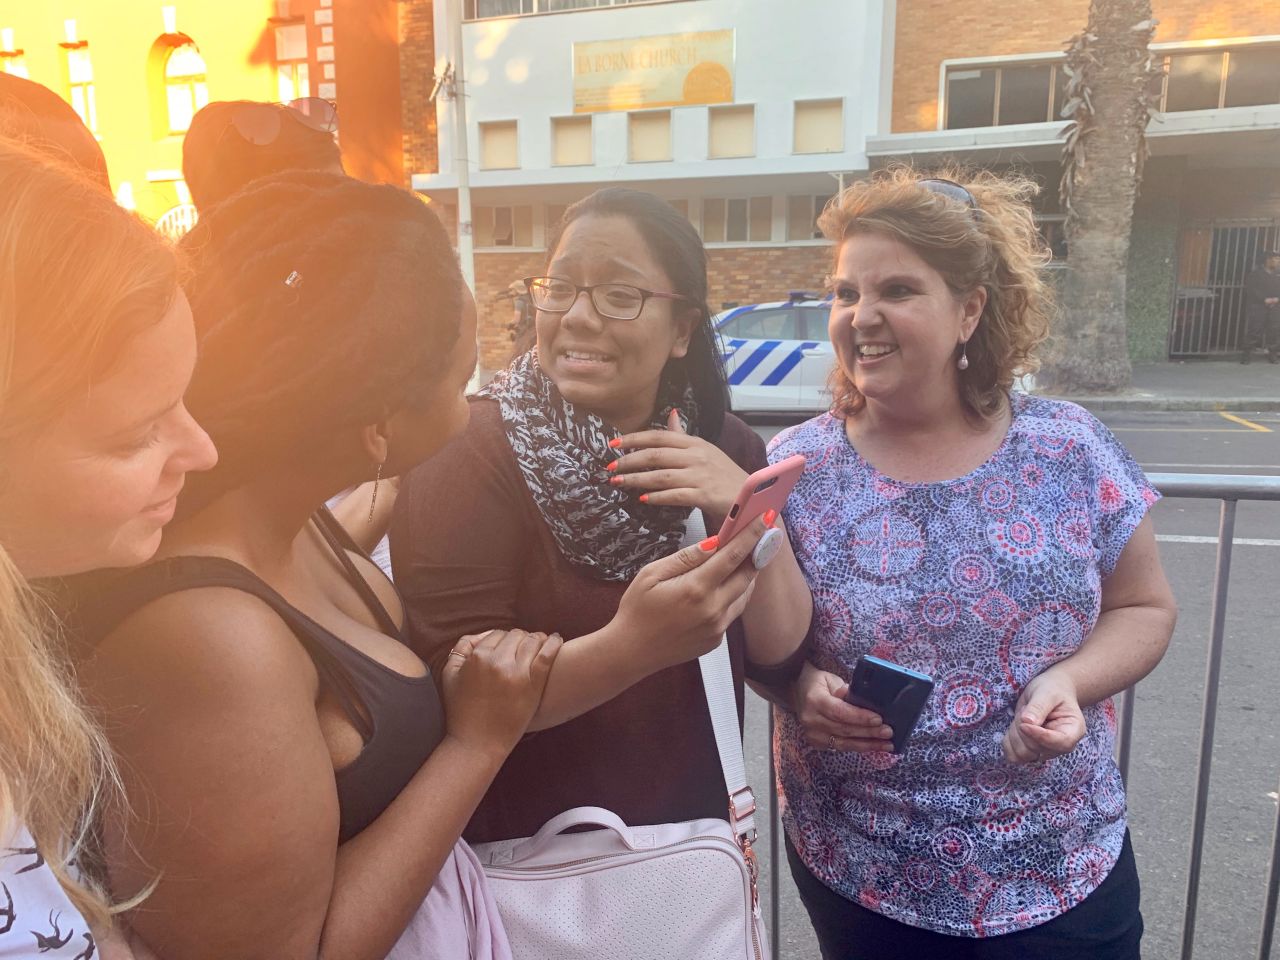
pixel 1208 307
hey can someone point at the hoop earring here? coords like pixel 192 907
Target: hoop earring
pixel 963 362
pixel 373 500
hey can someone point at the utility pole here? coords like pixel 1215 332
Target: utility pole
pixel 466 243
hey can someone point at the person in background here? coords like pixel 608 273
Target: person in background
pixel 231 143
pixel 35 115
pixel 997 542
pixel 96 350
pixel 576 473
pixel 1262 309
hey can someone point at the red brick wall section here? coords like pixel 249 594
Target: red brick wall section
pixel 734 275
pixel 930 31
pixel 417 75
pixel 365 41
pixel 494 273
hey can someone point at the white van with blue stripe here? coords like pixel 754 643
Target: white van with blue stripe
pixel 777 355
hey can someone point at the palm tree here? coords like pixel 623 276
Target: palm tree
pixel 1109 71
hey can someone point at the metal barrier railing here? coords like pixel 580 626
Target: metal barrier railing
pixel 1230 489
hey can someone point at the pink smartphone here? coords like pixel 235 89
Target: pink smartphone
pixel 764 490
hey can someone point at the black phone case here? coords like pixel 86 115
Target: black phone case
pixel 899 698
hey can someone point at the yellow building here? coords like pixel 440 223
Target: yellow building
pixel 136 70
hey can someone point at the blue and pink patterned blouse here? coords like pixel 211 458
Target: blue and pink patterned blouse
pixel 981 582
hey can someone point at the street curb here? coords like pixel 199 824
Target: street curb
pixel 1185 404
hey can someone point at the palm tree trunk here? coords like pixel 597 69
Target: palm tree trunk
pixel 1108 100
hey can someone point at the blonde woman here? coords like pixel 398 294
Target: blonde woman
pixel 96 348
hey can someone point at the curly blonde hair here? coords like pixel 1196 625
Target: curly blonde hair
pixel 995 246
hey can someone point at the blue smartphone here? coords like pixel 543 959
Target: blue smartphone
pixel 895 692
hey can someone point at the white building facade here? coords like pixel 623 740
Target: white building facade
pixel 742 113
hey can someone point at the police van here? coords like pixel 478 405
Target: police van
pixel 777 355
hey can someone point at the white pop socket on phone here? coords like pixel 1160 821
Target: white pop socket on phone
pixel 767 548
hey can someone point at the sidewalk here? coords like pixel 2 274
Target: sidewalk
pixel 1196 385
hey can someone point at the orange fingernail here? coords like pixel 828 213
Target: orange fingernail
pixel 709 544
pixel 644 498
pixel 613 466
pixel 615 443
pixel 615 481
pixel 769 517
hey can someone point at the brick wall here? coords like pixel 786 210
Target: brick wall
pixel 417 76
pixel 494 273
pixel 734 275
pixel 930 31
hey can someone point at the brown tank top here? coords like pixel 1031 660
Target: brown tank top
pixel 400 718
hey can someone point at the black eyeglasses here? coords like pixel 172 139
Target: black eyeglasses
pixel 613 301
pixel 949 188
pixel 259 123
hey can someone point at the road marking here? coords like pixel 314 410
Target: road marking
pixel 1180 430
pixel 1242 421
pixel 1238 541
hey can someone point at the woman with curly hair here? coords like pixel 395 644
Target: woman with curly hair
pixel 999 543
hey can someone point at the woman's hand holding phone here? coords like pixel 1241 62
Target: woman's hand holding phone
pixel 678 607
pixel 829 722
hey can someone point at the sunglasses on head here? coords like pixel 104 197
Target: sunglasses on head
pixel 949 188
pixel 259 123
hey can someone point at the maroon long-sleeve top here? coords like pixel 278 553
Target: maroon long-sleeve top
pixel 471 553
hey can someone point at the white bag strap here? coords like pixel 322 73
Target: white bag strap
pixel 717 683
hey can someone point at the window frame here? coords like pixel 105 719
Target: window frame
pixel 1160 52
pixel 190 81
pixel 999 64
pixel 535 8
pixel 671 148
pixel 492 210
pixel 481 125
pixel 85 88
pixel 746 199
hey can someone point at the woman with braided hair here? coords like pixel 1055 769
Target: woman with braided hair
pixel 300 783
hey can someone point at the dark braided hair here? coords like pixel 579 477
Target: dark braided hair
pixel 320 302
pixel 676 246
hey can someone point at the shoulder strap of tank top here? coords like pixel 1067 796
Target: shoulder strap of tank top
pixel 335 534
pixel 100 610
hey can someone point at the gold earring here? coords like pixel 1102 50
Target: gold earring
pixel 373 500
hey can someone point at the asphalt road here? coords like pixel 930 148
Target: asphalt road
pixel 1242 807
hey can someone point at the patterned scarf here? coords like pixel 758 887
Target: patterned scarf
pixel 562 452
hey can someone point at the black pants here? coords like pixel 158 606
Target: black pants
pixel 1262 329
pixel 1106 926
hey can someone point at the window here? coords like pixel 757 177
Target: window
pixel 186 90
pixel 1003 95
pixel 1195 81
pixel 1253 77
pixel 802 217
pixel 649 136
pixel 819 126
pixel 737 220
pixel 503 226
pixel 293 73
pixel 777 323
pixel 731 131
pixel 817 323
pixel 1233 77
pixel 571 141
pixel 498 148
pixel 80 80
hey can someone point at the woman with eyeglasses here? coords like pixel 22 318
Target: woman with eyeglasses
pixel 996 541
pixel 580 465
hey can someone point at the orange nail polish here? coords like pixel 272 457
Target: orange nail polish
pixel 769 517
pixel 615 481
pixel 644 498
pixel 615 443
pixel 709 544
pixel 613 466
